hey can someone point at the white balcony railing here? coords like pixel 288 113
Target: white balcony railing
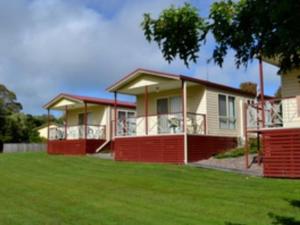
pixel 277 112
pixel 78 132
pixel 171 123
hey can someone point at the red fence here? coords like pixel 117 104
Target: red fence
pixel 162 149
pixel 281 153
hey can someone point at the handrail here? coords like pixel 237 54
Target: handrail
pixel 280 112
pixel 164 123
pixel 94 131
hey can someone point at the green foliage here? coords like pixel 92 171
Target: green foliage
pixel 249 87
pixel 252 28
pixel 15 126
pixel 9 100
pixel 237 152
pixel 178 32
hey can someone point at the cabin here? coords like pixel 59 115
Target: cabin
pixel 277 123
pixel 87 123
pixel 179 119
pixel 43 130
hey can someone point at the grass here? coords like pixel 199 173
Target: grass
pixel 37 189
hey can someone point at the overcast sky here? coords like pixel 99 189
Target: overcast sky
pixel 82 46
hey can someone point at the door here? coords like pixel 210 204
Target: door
pixel 126 123
pixel 162 115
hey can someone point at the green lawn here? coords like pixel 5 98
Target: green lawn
pixel 37 189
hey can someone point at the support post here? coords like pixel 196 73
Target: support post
pixel 48 120
pixel 262 92
pixel 246 147
pixel 184 114
pixel 115 113
pixel 183 106
pixel 66 122
pixel 85 121
pixel 146 109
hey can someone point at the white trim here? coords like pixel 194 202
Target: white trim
pixel 137 73
pixel 151 135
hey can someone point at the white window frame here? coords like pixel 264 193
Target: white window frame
pixel 227 117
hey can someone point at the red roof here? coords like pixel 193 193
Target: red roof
pixel 94 100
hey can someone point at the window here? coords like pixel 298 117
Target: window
pixel 81 118
pixel 227 112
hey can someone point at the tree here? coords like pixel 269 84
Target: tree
pixel 249 87
pixel 15 126
pixel 9 100
pixel 251 28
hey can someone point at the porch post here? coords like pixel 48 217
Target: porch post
pixel 115 113
pixel 182 105
pixel 262 92
pixel 48 120
pixel 85 120
pixel 146 109
pixel 66 122
pixel 246 148
pixel 184 115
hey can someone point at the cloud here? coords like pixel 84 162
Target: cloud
pixel 53 46
pixel 82 46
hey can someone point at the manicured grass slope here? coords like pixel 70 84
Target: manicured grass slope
pixel 37 189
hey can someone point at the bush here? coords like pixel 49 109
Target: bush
pixel 237 152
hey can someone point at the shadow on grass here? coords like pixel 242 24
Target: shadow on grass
pixel 283 220
pixel 286 220
pixel 229 223
pixel 280 220
pixel 295 203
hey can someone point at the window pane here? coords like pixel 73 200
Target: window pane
pixel 231 107
pixel 121 115
pixel 175 104
pixel 223 123
pixel 131 114
pixel 90 118
pixel 80 119
pixel 232 123
pixel 222 105
pixel 162 106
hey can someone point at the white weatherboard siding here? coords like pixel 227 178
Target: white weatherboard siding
pixel 290 113
pixel 213 127
pixel 290 86
pixel 290 83
pixel 196 99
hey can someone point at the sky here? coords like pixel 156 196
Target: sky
pixel 81 47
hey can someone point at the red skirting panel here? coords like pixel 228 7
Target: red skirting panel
pixel 161 149
pixel 73 147
pixel 281 153
pixel 203 146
